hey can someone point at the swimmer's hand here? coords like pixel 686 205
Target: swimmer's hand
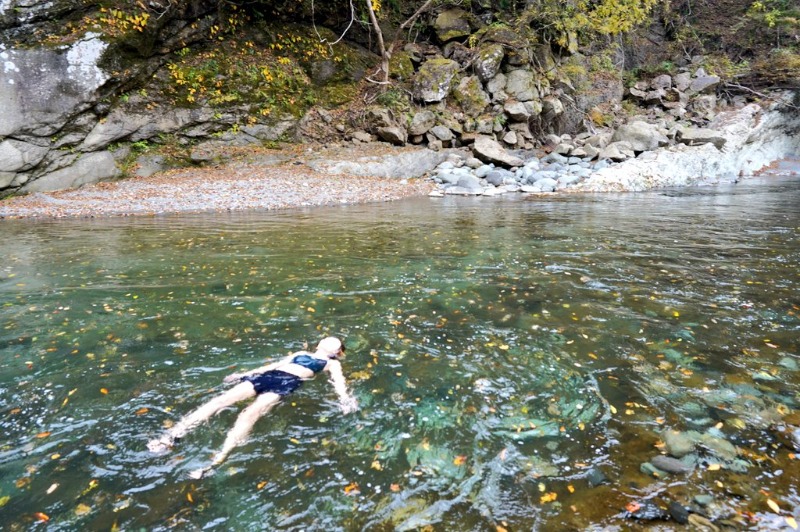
pixel 349 405
pixel 233 377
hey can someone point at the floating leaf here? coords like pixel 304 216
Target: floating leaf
pixel 376 465
pixel 53 487
pixel 714 467
pixel 142 411
pixel 394 488
pixel 791 522
pixel 460 460
pixel 190 498
pixel 42 516
pixel 103 391
pixel 351 489
pixel 43 434
pixel 4 500
pixel 261 485
pixel 548 497
pixel 773 506
pixel 82 509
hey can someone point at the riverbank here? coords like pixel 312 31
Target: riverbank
pixel 270 179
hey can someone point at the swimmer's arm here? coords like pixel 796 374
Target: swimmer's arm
pixel 234 377
pixel 347 402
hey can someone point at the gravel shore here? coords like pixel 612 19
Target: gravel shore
pixel 236 186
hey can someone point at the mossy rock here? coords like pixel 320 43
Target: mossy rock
pixel 471 97
pixel 400 66
pixel 434 79
pixel 452 24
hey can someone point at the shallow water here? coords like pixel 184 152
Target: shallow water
pixel 508 355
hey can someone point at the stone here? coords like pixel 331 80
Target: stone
pixel 641 136
pixel 517 111
pixel 617 151
pixel 703 84
pixel 552 107
pixel 678 444
pixel 671 465
pixel 473 162
pixel 520 85
pixel 470 182
pixel 563 148
pixel 487 64
pixel 442 133
pixel 682 81
pixel 497 84
pixel 451 24
pixel 704 106
pixel 406 163
pixel 720 447
pixel 394 134
pixel 16 156
pixel 483 170
pixel 88 168
pixel 662 82
pixel 510 138
pixel 362 136
pixel 471 97
pixel 490 151
pixel 693 136
pixel 547 184
pixel 422 122
pixel 678 512
pixel 147 165
pixel 379 117
pixel 6 178
pixel 433 81
pixel 500 176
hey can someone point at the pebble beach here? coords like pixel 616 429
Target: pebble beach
pixel 236 186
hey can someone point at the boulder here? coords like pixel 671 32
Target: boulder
pixel 490 151
pixel 552 107
pixel 497 84
pixel 662 82
pixel 433 80
pixel 641 136
pixel 451 24
pixel 18 156
pixel 617 151
pixel 378 117
pixel 682 81
pixel 393 134
pixel 695 136
pixel 490 57
pixel 703 84
pixel 470 95
pixel 442 133
pixel 510 138
pixel 422 122
pixel 89 168
pixel 517 111
pixel 520 85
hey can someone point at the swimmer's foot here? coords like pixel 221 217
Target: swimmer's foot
pixel 161 445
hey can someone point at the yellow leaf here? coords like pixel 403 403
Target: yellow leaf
pixel 613 410
pixel 713 467
pixel 791 522
pixel 376 465
pixel 55 456
pixel 460 460
pixel 504 347
pixel 41 516
pixel 774 506
pixel 548 497
pixel 294 440
pixel 351 489
pixel 499 528
pixel 261 485
pixel 82 509
pixel 4 500
pixel 103 391
pixel 571 488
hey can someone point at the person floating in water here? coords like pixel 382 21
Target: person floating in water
pixel 268 385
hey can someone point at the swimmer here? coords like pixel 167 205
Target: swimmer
pixel 268 385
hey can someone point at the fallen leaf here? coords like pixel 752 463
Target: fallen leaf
pixel 774 506
pixel 190 498
pixel 376 465
pixel 53 487
pixel 791 522
pixel 571 488
pixel 351 489
pixel 43 434
pixel 713 467
pixel 499 528
pixel 633 507
pixel 103 391
pixel 142 411
pixel 394 488
pixel 548 497
pixel 82 509
pixel 261 485
pixel 42 516
pixel 460 460
pixel 4 500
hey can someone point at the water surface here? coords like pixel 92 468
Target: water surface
pixel 516 361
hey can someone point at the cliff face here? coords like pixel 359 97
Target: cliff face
pixel 87 91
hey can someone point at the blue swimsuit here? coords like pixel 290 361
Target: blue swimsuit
pixel 281 382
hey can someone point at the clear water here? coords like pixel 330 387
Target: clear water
pixel 505 353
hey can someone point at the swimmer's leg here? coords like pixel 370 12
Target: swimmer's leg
pixel 241 429
pixel 238 393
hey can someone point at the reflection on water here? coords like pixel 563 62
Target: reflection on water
pixel 520 363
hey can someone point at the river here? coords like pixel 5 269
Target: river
pixel 518 363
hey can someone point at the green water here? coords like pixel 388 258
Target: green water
pixel 505 352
